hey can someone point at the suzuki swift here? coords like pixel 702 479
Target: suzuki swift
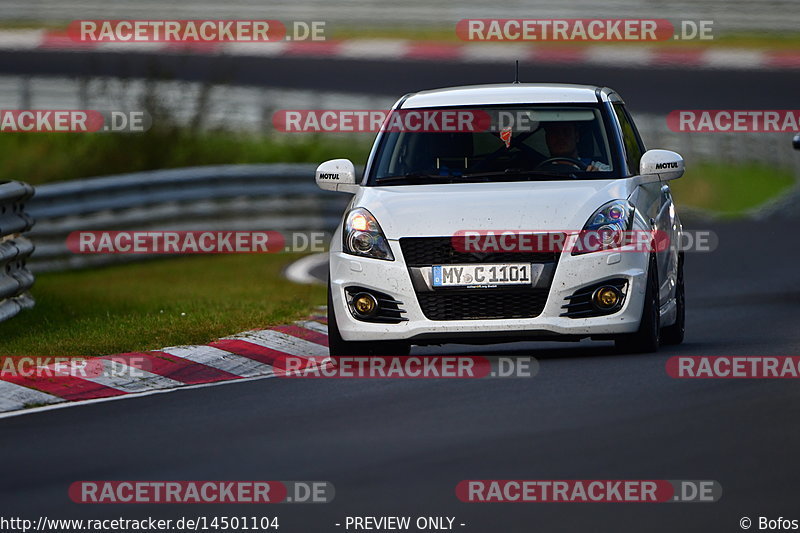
pixel 502 213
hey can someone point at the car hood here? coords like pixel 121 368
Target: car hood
pixel 439 210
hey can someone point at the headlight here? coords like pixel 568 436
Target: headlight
pixel 609 227
pixel 363 236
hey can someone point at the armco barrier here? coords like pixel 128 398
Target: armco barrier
pixel 268 197
pixel 15 278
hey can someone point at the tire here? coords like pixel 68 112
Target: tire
pixel 338 347
pixel 647 338
pixel 674 334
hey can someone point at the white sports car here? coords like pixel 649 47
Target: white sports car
pixel 547 221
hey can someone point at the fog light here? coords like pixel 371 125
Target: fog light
pixel 606 297
pixel 364 304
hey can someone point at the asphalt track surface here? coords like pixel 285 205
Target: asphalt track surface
pixel 646 90
pixel 400 446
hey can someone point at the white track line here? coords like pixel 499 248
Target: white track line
pixel 269 49
pixel 496 52
pixel 616 55
pixel 67 404
pixel 734 59
pixel 373 49
pixel 300 270
pixel 21 39
pixel 130 46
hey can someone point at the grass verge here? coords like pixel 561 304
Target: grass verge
pixel 45 157
pixel 150 305
pixel 729 190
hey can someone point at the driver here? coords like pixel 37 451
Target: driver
pixel 562 141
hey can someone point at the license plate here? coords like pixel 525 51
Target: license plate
pixel 485 275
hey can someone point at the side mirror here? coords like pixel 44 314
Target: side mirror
pixel 661 164
pixel 337 175
pixel 796 142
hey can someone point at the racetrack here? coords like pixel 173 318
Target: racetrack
pixel 400 446
pixel 646 90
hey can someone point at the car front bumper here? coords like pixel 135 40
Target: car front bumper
pixel 572 272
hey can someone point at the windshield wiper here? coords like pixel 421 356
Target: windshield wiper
pixel 520 173
pixel 456 177
pixel 415 176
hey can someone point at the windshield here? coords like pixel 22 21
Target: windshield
pixel 516 143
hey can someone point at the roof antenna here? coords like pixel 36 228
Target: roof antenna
pixel 516 71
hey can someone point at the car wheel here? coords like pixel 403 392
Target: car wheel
pixel 674 334
pixel 338 347
pixel 647 337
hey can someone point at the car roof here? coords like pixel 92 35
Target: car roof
pixel 505 93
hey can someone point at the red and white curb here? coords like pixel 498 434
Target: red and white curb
pixel 710 57
pixel 253 354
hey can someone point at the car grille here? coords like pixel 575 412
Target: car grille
pixel 474 304
pixel 482 304
pixel 427 251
